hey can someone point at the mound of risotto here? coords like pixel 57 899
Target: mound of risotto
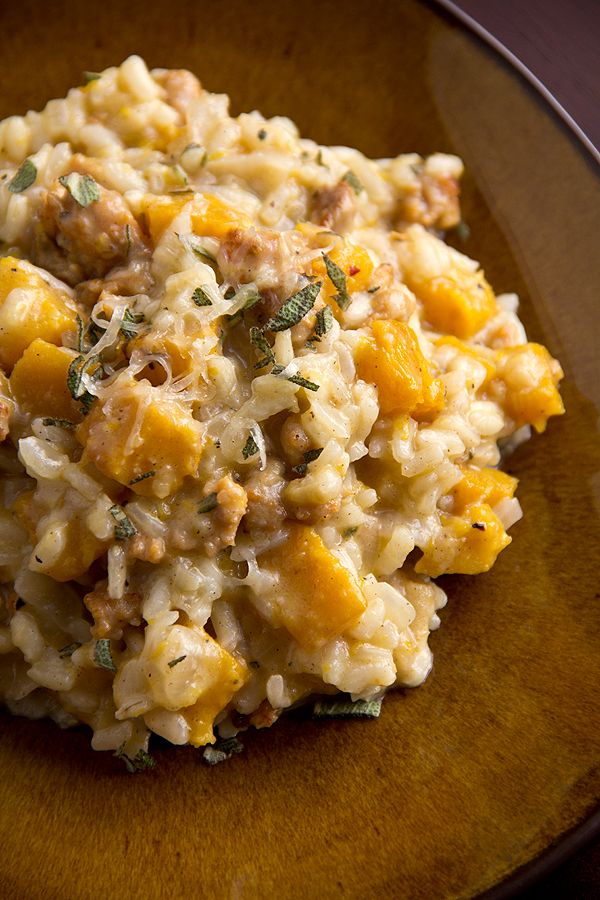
pixel 251 404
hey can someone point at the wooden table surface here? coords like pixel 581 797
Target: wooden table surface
pixel 559 42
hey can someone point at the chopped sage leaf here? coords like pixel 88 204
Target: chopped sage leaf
pixel 262 134
pixel 139 763
pixel 124 527
pixel 338 279
pixel 353 181
pixel 59 423
pixel 221 750
pixel 23 178
pixel 294 309
pixel 103 655
pixel 250 447
pixel 75 373
pixel 374 290
pixel 199 249
pixel 303 382
pixel 69 650
pixel 149 474
pixel 309 457
pixel 82 188
pixel 80 334
pixel 323 323
pixel 209 503
pixel 128 323
pixel 334 708
pixel 201 298
pixel 175 662
pixel 350 531
pixel 259 340
pixel 90 76
pixel 128 238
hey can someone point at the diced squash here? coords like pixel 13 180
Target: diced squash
pixel 139 429
pixel 64 547
pixel 29 309
pixel 482 486
pixel 217 219
pixel 393 361
pixel 202 683
pixel 458 303
pixel 355 263
pixel 315 597
pixel 210 216
pixel 222 677
pixel 467 545
pixel 39 381
pixel 530 375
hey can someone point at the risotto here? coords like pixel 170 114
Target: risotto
pixel 251 404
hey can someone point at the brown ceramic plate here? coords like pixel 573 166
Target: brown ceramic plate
pixel 466 779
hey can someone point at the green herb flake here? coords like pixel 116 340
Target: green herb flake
pixel 149 474
pixel 90 76
pixel 80 334
pixel 373 290
pixel 349 532
pixel 23 178
pixel 201 298
pixel 309 457
pixel 323 323
pixel 69 650
pixel 139 763
pixel 259 340
pixel 294 309
pixel 221 750
pixel 334 708
pixel 175 662
pixel 124 528
pixel 128 323
pixel 199 249
pixel 338 279
pixel 250 447
pixel 262 134
pixel 353 181
pixel 59 423
pixel 75 373
pixel 303 382
pixel 82 188
pixel 209 503
pixel 103 655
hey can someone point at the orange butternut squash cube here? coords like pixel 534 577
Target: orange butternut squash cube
pixel 315 597
pixel 64 547
pixel 139 429
pixel 210 215
pixel 482 486
pixel 393 361
pixel 530 375
pixel 29 309
pixel 467 545
pixel 459 303
pixel 39 381
pixel 221 678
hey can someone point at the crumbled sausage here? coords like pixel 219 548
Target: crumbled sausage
pixel 264 489
pixel 231 507
pixel 148 549
pixel 335 207
pixel 77 243
pixel 434 203
pixel 110 615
